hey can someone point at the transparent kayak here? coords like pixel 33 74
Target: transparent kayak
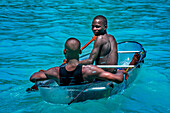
pixel 52 93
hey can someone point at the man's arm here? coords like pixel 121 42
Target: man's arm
pixel 91 72
pixel 52 73
pixel 118 77
pixel 38 76
pixel 95 52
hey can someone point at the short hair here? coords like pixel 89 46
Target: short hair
pixel 102 18
pixel 72 44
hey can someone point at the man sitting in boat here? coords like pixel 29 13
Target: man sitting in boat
pixel 105 46
pixel 74 73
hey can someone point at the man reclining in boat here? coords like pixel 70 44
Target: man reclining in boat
pixel 74 73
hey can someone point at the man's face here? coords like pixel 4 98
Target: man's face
pixel 98 27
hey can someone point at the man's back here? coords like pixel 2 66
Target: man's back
pixel 108 50
pixel 105 46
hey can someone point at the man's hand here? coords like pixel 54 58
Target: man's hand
pixel 33 88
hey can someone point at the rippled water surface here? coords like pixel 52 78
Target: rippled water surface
pixel 32 36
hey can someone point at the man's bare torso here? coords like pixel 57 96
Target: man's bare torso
pixel 108 51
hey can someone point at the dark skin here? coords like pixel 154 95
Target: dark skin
pixel 90 72
pixel 104 51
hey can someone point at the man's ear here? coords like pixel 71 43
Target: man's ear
pixel 80 51
pixel 105 27
pixel 64 51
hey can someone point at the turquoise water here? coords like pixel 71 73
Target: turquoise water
pixel 32 36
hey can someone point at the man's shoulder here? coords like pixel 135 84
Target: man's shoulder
pixel 54 69
pixel 109 35
pixel 88 67
pixel 102 38
pixel 105 36
pixel 111 38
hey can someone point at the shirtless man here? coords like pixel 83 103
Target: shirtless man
pixel 74 73
pixel 105 46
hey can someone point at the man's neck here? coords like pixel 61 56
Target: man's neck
pixel 102 33
pixel 72 64
pixel 73 61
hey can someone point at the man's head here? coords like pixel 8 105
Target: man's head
pixel 72 48
pixel 99 25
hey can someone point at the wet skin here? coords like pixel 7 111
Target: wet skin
pixel 105 46
pixel 89 72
